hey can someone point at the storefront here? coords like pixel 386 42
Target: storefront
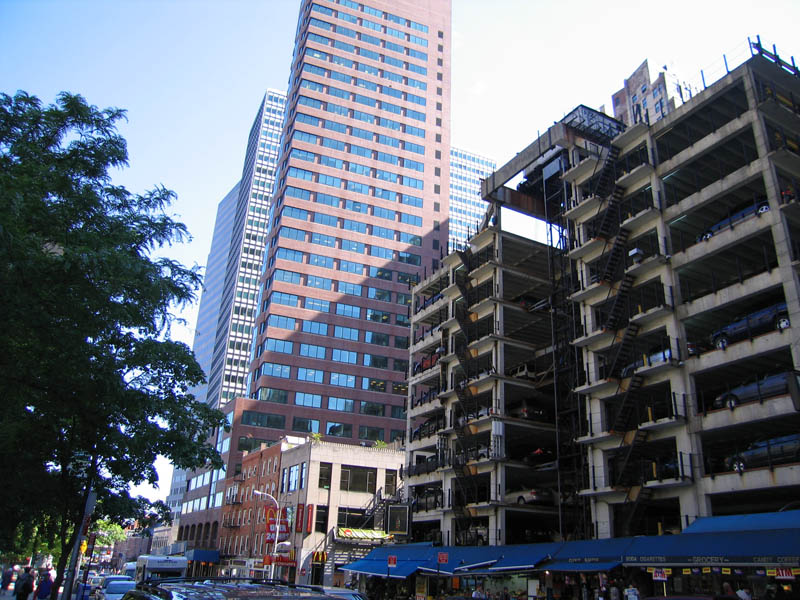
pixel 757 552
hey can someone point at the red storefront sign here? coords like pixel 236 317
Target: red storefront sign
pixel 298 526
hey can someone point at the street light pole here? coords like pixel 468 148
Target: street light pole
pixel 277 529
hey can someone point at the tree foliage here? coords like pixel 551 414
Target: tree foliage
pixel 93 390
pixel 108 532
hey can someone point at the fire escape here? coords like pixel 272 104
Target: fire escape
pixel 466 488
pixel 624 422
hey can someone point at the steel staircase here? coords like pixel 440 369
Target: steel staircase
pixel 635 500
pixel 616 256
pixel 618 314
pixel 465 483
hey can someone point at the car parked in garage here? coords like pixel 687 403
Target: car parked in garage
pixel 766 387
pixel 777 450
pixel 741 213
pixel 772 317
pixel 530 495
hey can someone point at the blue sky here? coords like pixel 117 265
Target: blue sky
pixel 191 73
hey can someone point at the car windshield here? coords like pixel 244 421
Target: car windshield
pixel 120 587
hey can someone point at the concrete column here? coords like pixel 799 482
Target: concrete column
pixel 780 230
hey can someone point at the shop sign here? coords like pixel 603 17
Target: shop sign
pixel 659 575
pixel 283 532
pixel 784 573
pixel 391 560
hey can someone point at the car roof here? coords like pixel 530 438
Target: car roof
pixel 127 583
pixel 223 588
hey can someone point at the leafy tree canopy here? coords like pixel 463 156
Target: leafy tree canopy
pixel 93 390
pixel 108 532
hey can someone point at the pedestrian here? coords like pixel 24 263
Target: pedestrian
pixel 24 585
pixel 727 589
pixel 7 575
pixel 44 588
pixel 505 595
pixel 478 594
pixel 631 593
pixel 744 593
pixel 613 591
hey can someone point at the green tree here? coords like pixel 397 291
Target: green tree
pixel 93 389
pixel 108 532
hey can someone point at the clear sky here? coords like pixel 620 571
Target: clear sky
pixel 191 74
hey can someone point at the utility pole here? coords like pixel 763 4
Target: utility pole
pixel 88 509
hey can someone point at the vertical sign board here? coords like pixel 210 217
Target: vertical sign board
pixel 310 518
pixel 391 560
pixel 299 523
pixel 398 519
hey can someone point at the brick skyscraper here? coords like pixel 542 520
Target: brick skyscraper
pixel 359 211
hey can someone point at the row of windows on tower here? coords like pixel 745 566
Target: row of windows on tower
pixel 341 355
pixel 339 264
pixel 373 25
pixel 364 134
pixel 334 378
pixel 351 334
pixel 330 402
pixel 308 425
pixel 365 53
pixel 361 67
pixel 344 287
pixel 316 304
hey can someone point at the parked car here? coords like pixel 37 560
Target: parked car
pixel 483 411
pixel 94 584
pixel 341 592
pixel 760 321
pixel 115 589
pixel 771 385
pixel 693 597
pixel 738 215
pixel 655 356
pixel 531 496
pixel 107 579
pixel 528 410
pixel 766 452
pixel 225 588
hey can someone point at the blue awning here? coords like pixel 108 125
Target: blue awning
pixel 208 556
pixel 742 548
pixel 525 556
pixel 373 567
pixel 461 559
pixel 588 555
pixel 580 566
pixel 789 519
pixel 409 557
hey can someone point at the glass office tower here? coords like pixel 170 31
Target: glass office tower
pixel 359 213
pixel 466 205
pixel 229 297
